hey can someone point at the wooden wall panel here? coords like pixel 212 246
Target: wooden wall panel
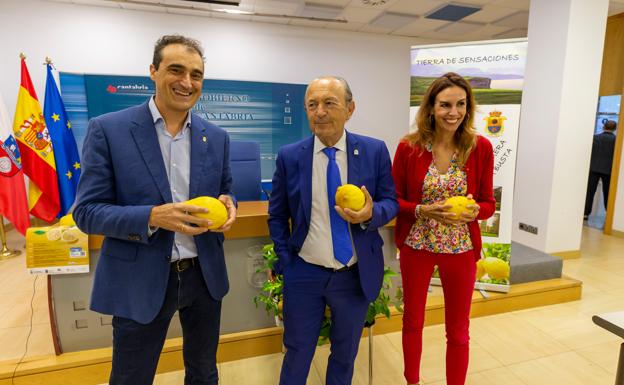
pixel 612 75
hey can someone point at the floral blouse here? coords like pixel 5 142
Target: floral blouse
pixel 429 234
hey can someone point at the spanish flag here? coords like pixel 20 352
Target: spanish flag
pixel 36 151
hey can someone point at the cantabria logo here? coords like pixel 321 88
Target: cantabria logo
pixel 121 88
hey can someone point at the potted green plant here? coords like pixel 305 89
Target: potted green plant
pixel 271 295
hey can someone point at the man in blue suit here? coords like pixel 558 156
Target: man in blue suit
pixel 330 256
pixel 138 165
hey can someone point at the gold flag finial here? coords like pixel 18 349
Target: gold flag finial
pixel 22 56
pixel 48 60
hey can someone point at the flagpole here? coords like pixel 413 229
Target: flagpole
pixel 6 253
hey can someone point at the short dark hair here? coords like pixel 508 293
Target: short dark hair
pixel 166 40
pixel 610 125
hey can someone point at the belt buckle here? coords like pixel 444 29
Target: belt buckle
pixel 183 264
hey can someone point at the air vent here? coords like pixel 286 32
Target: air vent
pixel 453 12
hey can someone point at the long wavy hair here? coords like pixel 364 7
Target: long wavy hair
pixel 465 136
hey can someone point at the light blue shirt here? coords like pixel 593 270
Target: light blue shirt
pixel 176 153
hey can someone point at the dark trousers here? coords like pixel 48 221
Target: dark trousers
pixel 592 185
pixel 307 290
pixel 137 347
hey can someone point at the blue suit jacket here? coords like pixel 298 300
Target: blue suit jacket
pixel 291 200
pixel 123 177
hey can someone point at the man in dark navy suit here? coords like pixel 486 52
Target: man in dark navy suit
pixel 600 165
pixel 138 165
pixel 330 256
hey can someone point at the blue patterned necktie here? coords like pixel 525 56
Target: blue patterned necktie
pixel 341 239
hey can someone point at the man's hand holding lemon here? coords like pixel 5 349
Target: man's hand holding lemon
pixel 231 213
pixel 353 204
pixel 195 216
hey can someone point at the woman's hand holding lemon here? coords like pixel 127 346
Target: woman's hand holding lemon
pixel 453 211
pixel 438 212
pixel 472 212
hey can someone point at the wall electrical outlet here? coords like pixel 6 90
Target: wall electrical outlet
pixel 528 228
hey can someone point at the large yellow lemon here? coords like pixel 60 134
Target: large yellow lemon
pixel 496 268
pixel 459 204
pixel 67 220
pixel 217 212
pixel 480 269
pixel 350 196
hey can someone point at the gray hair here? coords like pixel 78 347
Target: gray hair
pixel 342 81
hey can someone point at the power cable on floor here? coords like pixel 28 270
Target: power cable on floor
pixel 32 315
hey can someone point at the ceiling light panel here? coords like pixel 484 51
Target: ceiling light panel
pixel 420 26
pixel 452 12
pixel 284 7
pixel 392 21
pixel 320 11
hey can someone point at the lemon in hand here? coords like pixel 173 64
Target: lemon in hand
pixel 459 204
pixel 217 213
pixel 350 196
pixel 496 268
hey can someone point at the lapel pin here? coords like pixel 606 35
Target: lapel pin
pixel 203 138
pixel 356 152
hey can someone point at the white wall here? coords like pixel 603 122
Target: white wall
pixel 88 39
pixel 557 119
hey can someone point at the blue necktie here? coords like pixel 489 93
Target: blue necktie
pixel 341 239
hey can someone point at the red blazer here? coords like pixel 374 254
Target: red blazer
pixel 409 169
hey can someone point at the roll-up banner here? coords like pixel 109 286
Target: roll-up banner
pixel 495 70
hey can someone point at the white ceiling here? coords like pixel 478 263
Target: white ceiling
pixel 496 19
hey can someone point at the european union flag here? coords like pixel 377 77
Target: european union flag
pixel 63 143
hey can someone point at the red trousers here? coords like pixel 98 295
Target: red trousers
pixel 457 273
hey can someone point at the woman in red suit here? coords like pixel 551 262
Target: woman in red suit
pixel 444 157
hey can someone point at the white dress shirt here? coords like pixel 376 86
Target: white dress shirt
pixel 317 247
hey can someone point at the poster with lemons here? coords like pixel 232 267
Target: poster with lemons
pixel 495 70
pixel 58 249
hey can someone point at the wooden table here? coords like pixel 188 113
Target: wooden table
pixel 614 322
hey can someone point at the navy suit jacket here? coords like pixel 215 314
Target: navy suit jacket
pixel 291 200
pixel 123 177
